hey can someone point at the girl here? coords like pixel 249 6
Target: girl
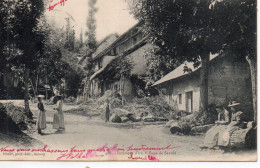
pixel 41 122
pixel 58 119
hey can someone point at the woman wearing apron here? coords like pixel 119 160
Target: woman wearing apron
pixel 41 119
pixel 58 119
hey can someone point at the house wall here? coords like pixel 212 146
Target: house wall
pixel 129 43
pixel 139 60
pixel 95 88
pixel 124 87
pixel 106 60
pixel 180 88
pixel 229 80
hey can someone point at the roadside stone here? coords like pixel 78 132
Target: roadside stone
pixel 116 119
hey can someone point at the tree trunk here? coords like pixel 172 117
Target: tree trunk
pixel 86 89
pixel 8 83
pixel 203 108
pixel 46 92
pixel 34 92
pixel 253 68
pixel 26 91
pixel 36 85
pixel 122 87
pixel 51 87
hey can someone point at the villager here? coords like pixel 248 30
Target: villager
pixel 107 110
pixel 58 119
pixel 224 136
pixel 211 137
pixel 41 120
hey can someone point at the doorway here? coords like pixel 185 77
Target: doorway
pixel 189 101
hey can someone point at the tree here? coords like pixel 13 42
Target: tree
pixel 58 62
pixel 157 66
pixel 237 21
pixel 70 36
pixel 91 44
pixel 28 39
pixel 21 21
pixel 3 32
pixel 184 30
pixel 81 39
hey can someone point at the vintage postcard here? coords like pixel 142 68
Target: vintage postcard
pixel 128 80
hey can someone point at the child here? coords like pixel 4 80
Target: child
pixel 41 120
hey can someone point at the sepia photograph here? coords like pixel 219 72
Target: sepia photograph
pixel 128 80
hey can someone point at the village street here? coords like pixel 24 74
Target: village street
pixel 88 133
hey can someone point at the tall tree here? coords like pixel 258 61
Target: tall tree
pixel 70 36
pixel 81 38
pixel 183 29
pixel 3 32
pixel 24 17
pixel 237 21
pixel 91 44
pixel 191 30
pixel 91 25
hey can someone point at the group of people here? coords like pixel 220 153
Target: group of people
pixel 58 118
pixel 228 122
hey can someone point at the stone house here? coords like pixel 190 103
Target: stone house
pixel 129 46
pixel 229 79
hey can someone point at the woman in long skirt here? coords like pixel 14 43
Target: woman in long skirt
pixel 58 119
pixel 212 135
pixel 41 120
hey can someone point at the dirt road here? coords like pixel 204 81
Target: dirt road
pixel 86 132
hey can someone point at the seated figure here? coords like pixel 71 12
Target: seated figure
pixel 212 135
pixel 224 137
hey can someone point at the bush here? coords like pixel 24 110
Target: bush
pixel 7 123
pixel 17 114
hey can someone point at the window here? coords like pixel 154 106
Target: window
pixel 180 98
pixel 114 51
pixel 134 40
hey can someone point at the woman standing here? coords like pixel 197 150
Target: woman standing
pixel 58 119
pixel 41 120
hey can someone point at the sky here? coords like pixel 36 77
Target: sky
pixel 112 16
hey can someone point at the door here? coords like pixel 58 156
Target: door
pixel 189 101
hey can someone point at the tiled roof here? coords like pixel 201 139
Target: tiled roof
pixel 105 43
pixel 179 71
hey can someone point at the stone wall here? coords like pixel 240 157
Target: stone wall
pixel 229 80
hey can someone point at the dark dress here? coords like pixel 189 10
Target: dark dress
pixel 41 120
pixel 107 112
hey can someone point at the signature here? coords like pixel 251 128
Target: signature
pixel 145 148
pixel 148 157
pixel 90 153
pixel 5 149
pixel 99 152
pixel 53 5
